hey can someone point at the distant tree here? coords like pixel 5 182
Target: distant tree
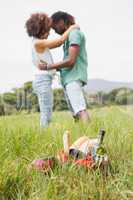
pixel 130 99
pixel 99 98
pixel 124 96
pixel 102 97
pixel 112 96
pixel 2 110
pixel 25 97
pixel 28 86
pixel 10 98
pixel 59 100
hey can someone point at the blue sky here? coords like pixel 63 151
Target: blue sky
pixel 108 27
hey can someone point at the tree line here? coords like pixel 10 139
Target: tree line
pixel 23 98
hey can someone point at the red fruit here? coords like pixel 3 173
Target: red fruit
pixel 87 162
pixel 43 164
pixel 62 157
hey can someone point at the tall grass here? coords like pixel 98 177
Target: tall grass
pixel 21 141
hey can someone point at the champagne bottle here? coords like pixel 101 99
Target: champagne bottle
pixel 101 136
pixel 99 151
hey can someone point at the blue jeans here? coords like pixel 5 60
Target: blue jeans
pixel 42 87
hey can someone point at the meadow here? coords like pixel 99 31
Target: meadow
pixel 21 141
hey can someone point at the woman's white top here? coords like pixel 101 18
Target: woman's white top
pixel 46 56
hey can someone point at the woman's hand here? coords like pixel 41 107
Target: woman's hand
pixel 42 65
pixel 74 26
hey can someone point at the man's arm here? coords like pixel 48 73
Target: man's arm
pixel 73 52
pixel 41 45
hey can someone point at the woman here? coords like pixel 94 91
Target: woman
pixel 38 27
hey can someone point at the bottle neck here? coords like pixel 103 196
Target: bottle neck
pixel 101 136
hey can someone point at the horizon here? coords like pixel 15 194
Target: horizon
pixel 56 84
pixel 108 27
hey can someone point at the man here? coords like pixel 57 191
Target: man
pixel 73 68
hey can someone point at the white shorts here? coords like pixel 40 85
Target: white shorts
pixel 75 97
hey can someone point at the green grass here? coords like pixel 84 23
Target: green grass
pixel 21 139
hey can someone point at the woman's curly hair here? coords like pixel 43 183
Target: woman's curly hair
pixel 37 25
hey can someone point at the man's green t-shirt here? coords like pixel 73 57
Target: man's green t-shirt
pixel 79 70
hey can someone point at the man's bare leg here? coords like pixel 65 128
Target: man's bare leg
pixel 84 116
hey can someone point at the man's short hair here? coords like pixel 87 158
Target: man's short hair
pixel 68 19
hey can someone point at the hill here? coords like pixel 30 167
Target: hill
pixel 95 85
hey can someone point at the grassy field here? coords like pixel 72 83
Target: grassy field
pixel 21 139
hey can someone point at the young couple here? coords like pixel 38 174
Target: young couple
pixel 73 68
